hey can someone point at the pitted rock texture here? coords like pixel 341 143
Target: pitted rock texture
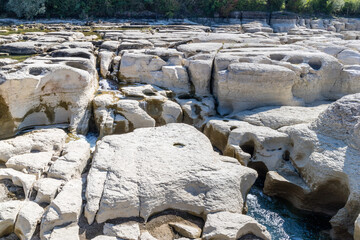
pixel 261 87
pixel 131 175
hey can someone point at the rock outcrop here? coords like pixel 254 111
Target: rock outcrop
pixel 145 185
pixel 47 91
pixel 269 91
pixel 232 226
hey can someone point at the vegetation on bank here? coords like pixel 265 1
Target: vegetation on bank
pixel 29 9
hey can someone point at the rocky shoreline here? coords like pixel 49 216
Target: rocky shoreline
pixel 186 117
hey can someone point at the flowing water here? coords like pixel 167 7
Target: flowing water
pixel 284 222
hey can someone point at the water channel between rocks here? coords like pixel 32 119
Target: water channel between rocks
pixel 283 221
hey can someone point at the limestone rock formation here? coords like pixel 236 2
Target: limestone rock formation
pixel 64 209
pixel 232 226
pixel 189 184
pixel 28 219
pixel 8 213
pixel 326 154
pixel 45 140
pixel 71 164
pixel 135 107
pixel 130 231
pixel 260 86
pixel 45 91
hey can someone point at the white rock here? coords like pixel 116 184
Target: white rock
pixel 47 91
pixel 46 189
pixel 45 140
pixel 326 155
pixel 171 112
pixel 114 115
pixel 110 45
pixel 26 181
pixel 136 115
pixel 250 143
pixel 244 86
pixel 218 130
pixel 70 232
pixel 34 163
pixel 349 57
pixel 200 72
pixel 103 237
pixel 143 68
pixel 197 181
pixel 186 230
pixel 73 161
pixel 146 236
pixel 196 112
pixel 105 62
pixel 129 230
pixel 27 220
pixel 277 117
pixel 232 226
pixel 64 209
pixel 8 213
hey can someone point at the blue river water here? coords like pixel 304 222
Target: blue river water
pixel 284 222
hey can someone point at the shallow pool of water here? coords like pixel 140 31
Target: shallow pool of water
pixel 284 222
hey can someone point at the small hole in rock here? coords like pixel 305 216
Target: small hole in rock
pixel 179 145
pixel 248 147
pixel 277 57
pixel 37 71
pixel 225 120
pixel 315 64
pixel 286 155
pixel 233 128
pixel 149 93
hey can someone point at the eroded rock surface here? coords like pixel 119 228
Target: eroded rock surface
pixel 188 185
pixel 259 86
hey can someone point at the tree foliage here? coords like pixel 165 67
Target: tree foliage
pixel 26 8
pixel 169 8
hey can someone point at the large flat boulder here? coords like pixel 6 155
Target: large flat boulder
pixel 154 169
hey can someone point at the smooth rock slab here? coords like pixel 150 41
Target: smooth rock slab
pixel 247 85
pixel 154 169
pixel 70 232
pixel 232 226
pixel 34 163
pixel 129 230
pixel 186 230
pixel 45 140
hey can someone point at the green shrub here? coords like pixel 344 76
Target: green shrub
pixel 351 7
pixel 171 8
pixel 334 6
pixel 275 5
pixel 296 5
pixel 26 8
pixel 252 5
